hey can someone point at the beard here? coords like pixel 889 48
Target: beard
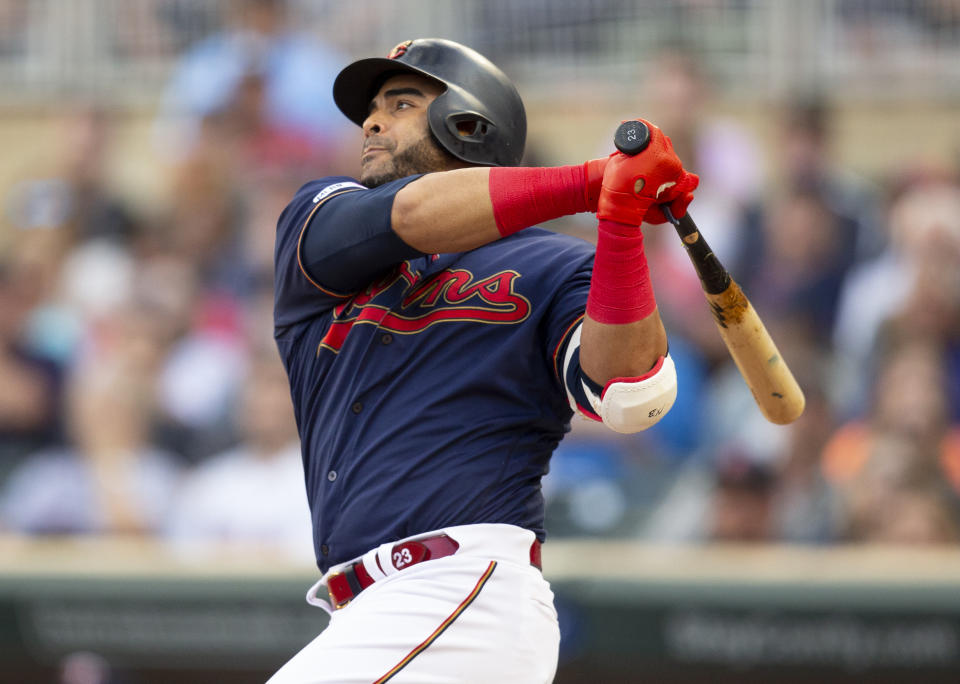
pixel 424 156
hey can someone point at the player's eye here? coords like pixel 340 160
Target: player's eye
pixel 403 104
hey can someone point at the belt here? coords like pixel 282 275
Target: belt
pixel 344 586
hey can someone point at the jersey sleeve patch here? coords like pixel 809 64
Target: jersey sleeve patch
pixel 330 189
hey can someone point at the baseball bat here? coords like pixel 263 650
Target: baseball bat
pixel 773 386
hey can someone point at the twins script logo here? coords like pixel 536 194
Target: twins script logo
pixel 399 304
pixel 399 50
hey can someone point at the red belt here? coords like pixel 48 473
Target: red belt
pixel 344 586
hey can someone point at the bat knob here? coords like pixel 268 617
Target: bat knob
pixel 632 137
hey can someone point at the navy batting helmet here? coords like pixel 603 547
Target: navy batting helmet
pixel 479 118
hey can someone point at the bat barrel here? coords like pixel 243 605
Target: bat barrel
pixel 775 390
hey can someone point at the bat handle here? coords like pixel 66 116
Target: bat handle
pixel 713 275
pixel 632 138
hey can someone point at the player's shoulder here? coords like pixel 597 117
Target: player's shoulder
pixel 311 194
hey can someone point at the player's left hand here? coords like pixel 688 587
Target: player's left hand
pixel 677 197
pixel 634 186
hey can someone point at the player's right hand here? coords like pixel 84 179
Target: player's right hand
pixel 633 187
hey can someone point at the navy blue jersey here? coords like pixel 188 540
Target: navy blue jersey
pixel 433 396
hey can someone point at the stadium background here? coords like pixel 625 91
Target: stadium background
pixel 151 513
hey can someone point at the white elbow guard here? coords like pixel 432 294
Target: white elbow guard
pixel 633 404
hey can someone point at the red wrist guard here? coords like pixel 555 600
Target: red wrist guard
pixel 524 197
pixel 620 289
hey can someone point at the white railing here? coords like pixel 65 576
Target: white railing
pixel 122 50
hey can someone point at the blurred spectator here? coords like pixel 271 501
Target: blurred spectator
pixel 77 198
pixel 586 490
pixel 748 461
pixel 913 285
pixel 733 422
pixel 727 160
pixel 821 222
pixel 264 204
pixel 807 508
pixel 729 498
pixel 910 404
pixel 201 227
pixel 257 50
pixel 249 494
pixel 110 478
pixel 898 498
pixel 743 500
pixel 193 271
pixel 204 356
pixel 921 517
pixel 808 156
pixel 220 225
pixel 681 431
pixel 899 469
pixel 796 282
pixel 67 264
pixel 30 381
pixel 604 483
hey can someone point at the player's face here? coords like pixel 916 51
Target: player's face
pixel 396 136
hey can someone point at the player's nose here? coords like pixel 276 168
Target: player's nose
pixel 373 124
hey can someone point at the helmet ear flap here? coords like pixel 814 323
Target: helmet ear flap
pixel 466 133
pixel 470 126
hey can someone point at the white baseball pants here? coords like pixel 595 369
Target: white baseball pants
pixel 481 615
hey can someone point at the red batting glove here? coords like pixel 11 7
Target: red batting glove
pixel 593 172
pixel 633 186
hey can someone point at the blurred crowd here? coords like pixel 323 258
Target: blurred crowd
pixel 141 393
pixel 140 388
pixel 858 280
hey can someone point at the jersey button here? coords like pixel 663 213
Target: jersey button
pixel 332 475
pixel 386 338
pixel 357 407
pixel 324 549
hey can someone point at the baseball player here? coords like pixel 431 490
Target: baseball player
pixel 437 345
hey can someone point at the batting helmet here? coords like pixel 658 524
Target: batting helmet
pixel 479 118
